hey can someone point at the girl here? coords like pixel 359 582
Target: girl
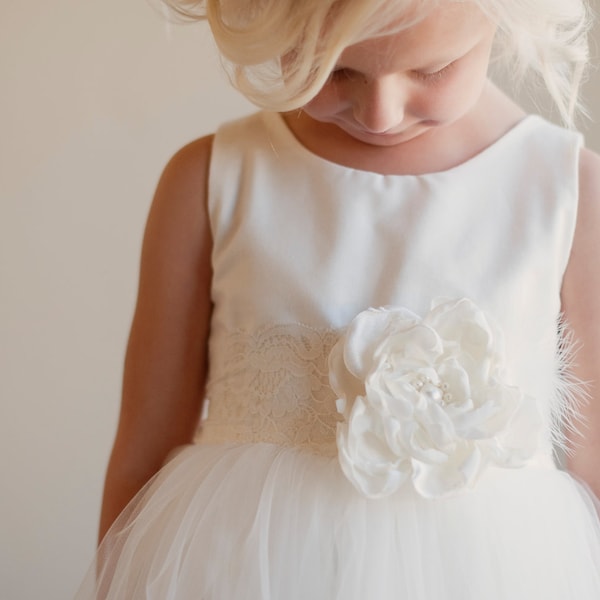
pixel 351 451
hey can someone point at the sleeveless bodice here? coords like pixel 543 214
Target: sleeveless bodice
pixel 301 245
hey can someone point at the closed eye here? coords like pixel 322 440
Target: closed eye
pixel 432 76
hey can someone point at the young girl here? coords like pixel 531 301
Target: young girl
pixel 377 285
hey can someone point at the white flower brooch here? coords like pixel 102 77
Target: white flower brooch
pixel 423 400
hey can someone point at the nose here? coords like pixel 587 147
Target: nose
pixel 380 105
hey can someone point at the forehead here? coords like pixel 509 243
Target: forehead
pixel 441 34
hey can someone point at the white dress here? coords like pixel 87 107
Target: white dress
pixel 442 484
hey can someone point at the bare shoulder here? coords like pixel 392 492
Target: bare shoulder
pixel 178 219
pixel 582 273
pixel 184 180
pixel 190 164
pixel 589 184
pixel 177 240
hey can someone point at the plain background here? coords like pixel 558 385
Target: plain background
pixel 95 97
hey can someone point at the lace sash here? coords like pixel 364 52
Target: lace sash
pixel 272 386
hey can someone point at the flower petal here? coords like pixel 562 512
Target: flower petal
pixel 425 400
pixel 460 471
pixel 367 331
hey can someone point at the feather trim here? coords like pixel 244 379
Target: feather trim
pixel 571 392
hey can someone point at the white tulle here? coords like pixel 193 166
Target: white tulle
pixel 266 522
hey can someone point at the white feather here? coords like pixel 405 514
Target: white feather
pixel 571 392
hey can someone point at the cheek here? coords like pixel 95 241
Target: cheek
pixel 458 96
pixel 440 104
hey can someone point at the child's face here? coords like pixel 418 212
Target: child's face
pixel 388 90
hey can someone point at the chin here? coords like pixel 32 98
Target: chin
pixel 389 138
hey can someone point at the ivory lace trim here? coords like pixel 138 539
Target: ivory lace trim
pixel 272 386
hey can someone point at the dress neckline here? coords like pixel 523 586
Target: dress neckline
pixel 277 125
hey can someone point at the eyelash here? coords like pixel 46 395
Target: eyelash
pixel 436 75
pixel 348 75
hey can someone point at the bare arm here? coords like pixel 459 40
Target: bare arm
pixel 165 365
pixel 581 303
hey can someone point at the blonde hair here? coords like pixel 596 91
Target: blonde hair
pixel 279 53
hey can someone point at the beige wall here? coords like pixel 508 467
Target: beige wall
pixel 95 97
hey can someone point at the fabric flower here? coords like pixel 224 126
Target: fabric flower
pixel 424 400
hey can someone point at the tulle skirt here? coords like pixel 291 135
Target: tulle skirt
pixel 265 522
